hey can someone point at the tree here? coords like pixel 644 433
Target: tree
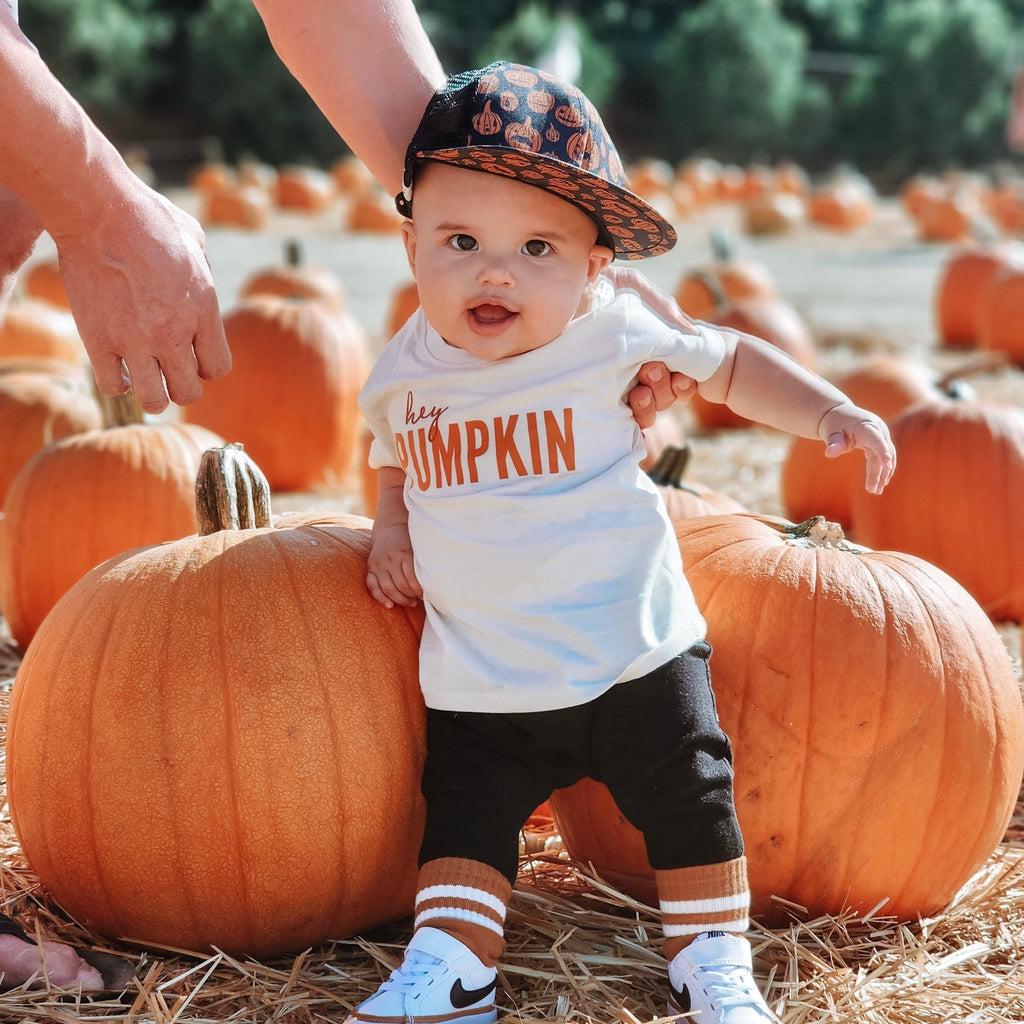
pixel 731 81
pixel 101 50
pixel 937 90
pixel 242 95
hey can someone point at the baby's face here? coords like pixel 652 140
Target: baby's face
pixel 500 266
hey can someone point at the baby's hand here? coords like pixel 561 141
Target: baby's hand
pixel 390 575
pixel 847 427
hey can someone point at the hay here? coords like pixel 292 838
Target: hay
pixel 578 951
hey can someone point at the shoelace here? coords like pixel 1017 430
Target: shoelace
pixel 727 984
pixel 415 966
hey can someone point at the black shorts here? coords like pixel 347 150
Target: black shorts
pixel 655 742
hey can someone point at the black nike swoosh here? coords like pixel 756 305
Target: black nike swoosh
pixel 461 998
pixel 679 1002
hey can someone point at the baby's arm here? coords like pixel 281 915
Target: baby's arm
pixel 762 383
pixel 390 576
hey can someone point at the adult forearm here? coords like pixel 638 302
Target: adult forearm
pixel 51 153
pixel 368 65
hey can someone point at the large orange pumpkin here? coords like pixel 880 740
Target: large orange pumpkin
pixel 298 365
pixel 217 742
pixel 875 718
pixel 87 497
pixel 956 498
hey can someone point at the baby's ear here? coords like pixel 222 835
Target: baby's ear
pixel 600 257
pixel 409 238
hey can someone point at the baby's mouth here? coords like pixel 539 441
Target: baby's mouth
pixel 488 313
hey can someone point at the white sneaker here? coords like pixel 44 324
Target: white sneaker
pixel 440 979
pixel 713 978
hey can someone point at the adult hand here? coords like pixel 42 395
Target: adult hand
pixel 141 292
pixel 656 389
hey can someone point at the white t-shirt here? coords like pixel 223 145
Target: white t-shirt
pixel 548 563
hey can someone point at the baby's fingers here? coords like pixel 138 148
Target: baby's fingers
pixel 389 591
pixel 879 470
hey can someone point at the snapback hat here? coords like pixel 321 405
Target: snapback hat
pixel 526 124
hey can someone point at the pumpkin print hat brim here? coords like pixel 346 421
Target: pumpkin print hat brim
pixel 526 124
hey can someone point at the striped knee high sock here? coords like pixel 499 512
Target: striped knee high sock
pixel 707 898
pixel 467 899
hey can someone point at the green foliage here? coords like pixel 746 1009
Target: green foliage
pixel 241 94
pixel 102 50
pixel 672 78
pixel 529 36
pixel 936 92
pixel 731 81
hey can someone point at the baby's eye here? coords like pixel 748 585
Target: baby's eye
pixel 535 247
pixel 464 243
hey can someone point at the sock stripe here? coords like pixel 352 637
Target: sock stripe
pixel 461 894
pixel 737 901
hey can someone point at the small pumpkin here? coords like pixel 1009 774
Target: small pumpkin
pixel 875 718
pixel 295 278
pixel 702 290
pixel 35 329
pixel 307 189
pixel 297 367
pixel 88 496
pixel 841 205
pixel 967 275
pixel 685 499
pixel 1001 312
pixel 351 176
pixel 236 205
pixel 243 729
pixel 774 212
pixel 42 280
pixel 373 212
pixel 35 409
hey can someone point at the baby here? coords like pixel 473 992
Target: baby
pixel 561 638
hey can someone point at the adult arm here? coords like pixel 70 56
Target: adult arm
pixel 368 65
pixel 133 263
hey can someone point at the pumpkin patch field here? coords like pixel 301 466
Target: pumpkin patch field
pixel 212 736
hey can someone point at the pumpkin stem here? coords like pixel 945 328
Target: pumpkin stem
pixel 231 492
pixel 119 410
pixel 723 244
pixel 292 253
pixel 951 383
pixel 816 532
pixel 671 466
